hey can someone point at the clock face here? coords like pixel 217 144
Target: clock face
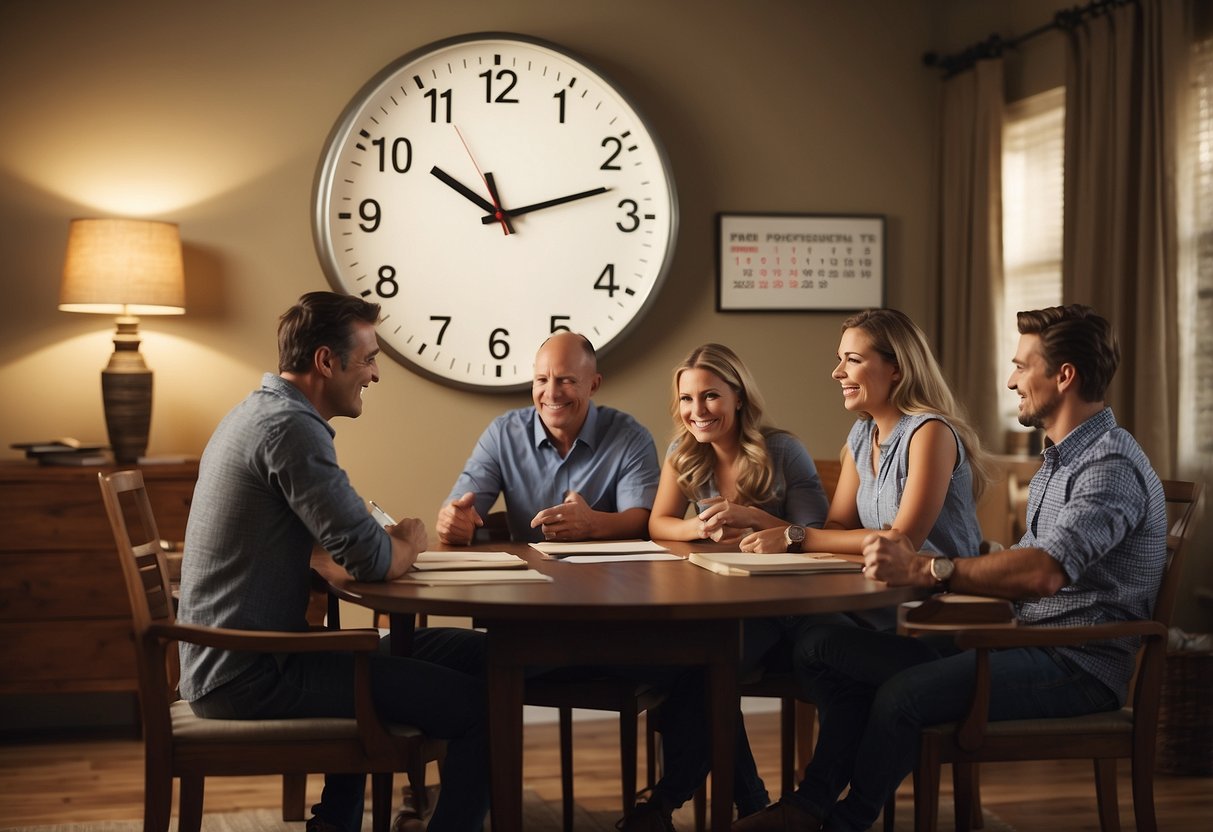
pixel 487 191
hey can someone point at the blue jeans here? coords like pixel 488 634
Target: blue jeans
pixel 439 689
pixel 876 691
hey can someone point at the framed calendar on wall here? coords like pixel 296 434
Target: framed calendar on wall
pixel 799 262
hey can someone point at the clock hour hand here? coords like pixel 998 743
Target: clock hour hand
pixel 461 188
pixel 526 209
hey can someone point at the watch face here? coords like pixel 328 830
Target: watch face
pixel 487 191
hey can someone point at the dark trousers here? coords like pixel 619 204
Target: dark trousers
pixel 439 689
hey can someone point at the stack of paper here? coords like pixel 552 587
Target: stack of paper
pixel 744 563
pixel 605 551
pixel 470 567
pixel 442 561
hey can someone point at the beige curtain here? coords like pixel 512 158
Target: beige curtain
pixel 1120 243
pixel 970 244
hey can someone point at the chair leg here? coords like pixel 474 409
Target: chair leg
pixel 806 725
pixel 700 802
pixel 787 746
pixel 157 796
pixel 978 816
pixel 189 807
pixel 962 795
pixel 890 812
pixel 926 785
pixel 627 756
pixel 381 802
pixel 650 749
pixel 1143 796
pixel 1105 796
pixel 566 768
pixel 294 796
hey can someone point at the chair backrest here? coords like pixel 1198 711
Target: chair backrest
pixel 1182 498
pixel 828 470
pixel 148 590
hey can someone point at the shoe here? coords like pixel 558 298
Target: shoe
pixel 783 816
pixel 316 824
pixel 408 821
pixel 646 817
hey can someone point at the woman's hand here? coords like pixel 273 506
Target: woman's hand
pixel 726 519
pixel 765 542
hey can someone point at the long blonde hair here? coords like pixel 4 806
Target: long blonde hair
pixel 921 388
pixel 695 462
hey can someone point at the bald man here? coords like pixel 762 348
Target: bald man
pixel 569 469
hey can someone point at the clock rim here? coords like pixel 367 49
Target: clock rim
pixel 343 126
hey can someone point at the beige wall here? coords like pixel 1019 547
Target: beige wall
pixel 213 116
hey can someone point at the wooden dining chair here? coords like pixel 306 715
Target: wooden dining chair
pixel 179 744
pixel 1101 737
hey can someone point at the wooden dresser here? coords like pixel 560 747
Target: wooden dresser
pixel 64 616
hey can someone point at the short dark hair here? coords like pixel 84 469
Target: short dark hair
pixel 1077 335
pixel 320 319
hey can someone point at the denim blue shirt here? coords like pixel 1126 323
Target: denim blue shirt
pixel 956 532
pixel 268 487
pixel 797 496
pixel 612 464
pixel 1097 507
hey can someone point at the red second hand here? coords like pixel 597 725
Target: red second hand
pixel 498 214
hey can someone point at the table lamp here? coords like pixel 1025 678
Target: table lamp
pixel 125 268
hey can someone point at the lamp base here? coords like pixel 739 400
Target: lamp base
pixel 126 390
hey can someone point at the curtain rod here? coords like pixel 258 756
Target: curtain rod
pixel 993 46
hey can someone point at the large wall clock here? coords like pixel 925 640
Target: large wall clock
pixel 489 190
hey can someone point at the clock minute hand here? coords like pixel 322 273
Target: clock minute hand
pixel 463 189
pixel 560 200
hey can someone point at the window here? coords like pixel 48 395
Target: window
pixel 1196 264
pixel 1033 154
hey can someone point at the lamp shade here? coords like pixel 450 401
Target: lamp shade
pixel 123 267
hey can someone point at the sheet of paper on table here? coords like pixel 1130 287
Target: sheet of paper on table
pixel 442 561
pixel 746 563
pixel 604 551
pixel 467 577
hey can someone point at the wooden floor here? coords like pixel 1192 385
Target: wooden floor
pixel 61 781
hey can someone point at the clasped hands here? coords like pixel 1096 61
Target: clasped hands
pixel 570 520
pixel 724 521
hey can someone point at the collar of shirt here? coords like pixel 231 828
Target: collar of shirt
pixel 1076 442
pixel 587 435
pixel 276 385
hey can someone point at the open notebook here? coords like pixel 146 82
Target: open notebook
pixel 744 563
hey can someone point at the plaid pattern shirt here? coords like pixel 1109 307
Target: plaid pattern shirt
pixel 1097 507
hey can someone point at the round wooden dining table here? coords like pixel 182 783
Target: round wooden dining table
pixel 631 612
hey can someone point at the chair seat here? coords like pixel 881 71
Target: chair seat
pixel 190 728
pixel 1103 722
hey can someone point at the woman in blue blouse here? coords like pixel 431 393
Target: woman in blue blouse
pixel 911 462
pixel 742 474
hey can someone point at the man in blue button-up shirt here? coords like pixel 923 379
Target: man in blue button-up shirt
pixel 1095 551
pixel 269 486
pixel 569 470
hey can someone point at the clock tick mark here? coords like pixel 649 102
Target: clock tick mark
pixel 629 291
pixel 364 134
pixel 421 349
pixel 417 80
pixel 365 292
pixel 344 215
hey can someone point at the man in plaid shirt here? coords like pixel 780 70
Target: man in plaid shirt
pixel 1094 551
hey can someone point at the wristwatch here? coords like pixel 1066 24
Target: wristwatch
pixel 794 535
pixel 941 570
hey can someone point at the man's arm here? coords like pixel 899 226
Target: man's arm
pixel 408 540
pixel 575 520
pixel 1015 574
